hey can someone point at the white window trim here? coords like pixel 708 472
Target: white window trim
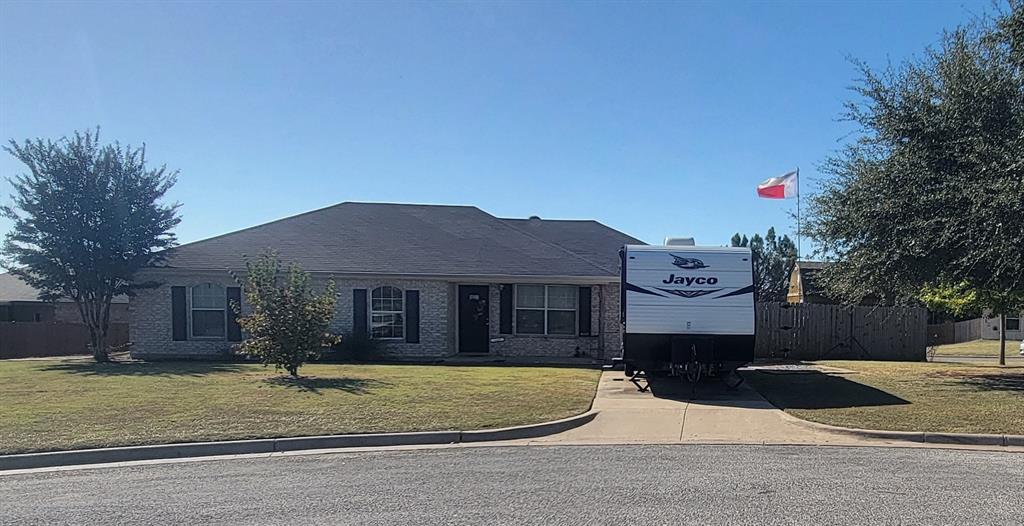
pixel 371 312
pixel 1020 323
pixel 191 309
pixel 575 310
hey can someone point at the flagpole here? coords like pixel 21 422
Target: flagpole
pixel 799 231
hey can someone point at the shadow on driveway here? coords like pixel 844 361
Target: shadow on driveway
pixel 708 392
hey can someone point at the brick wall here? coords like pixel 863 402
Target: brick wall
pixel 149 315
pixel 149 319
pixel 435 338
pixel 604 344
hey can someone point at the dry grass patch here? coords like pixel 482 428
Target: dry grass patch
pixel 980 348
pixel 904 396
pixel 54 404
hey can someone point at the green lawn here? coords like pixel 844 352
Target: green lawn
pixel 63 404
pixel 986 348
pixel 903 396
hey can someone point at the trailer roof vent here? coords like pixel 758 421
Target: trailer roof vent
pixel 679 242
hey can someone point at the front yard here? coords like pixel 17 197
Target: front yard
pixel 902 396
pixel 64 404
pixel 979 348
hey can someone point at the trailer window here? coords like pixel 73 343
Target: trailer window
pixel 546 309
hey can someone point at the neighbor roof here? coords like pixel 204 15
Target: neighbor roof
pixel 808 278
pixel 428 240
pixel 810 265
pixel 14 289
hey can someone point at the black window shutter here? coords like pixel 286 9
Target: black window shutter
pixel 584 311
pixel 412 316
pixel 505 313
pixel 234 298
pixel 179 314
pixel 359 312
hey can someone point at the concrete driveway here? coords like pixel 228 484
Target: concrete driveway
pixel 669 413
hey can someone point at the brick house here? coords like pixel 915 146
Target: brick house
pixel 426 281
pixel 19 302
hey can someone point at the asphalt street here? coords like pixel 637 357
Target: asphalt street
pixel 560 485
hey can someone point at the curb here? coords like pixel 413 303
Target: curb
pixel 273 445
pixel 915 436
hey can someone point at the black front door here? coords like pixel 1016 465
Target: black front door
pixel 473 316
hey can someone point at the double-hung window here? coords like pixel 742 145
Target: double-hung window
pixel 546 309
pixel 209 311
pixel 1013 324
pixel 387 309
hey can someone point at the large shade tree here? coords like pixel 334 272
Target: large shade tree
pixel 86 217
pixel 929 198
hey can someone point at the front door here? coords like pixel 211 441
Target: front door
pixel 473 318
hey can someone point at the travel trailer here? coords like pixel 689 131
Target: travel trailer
pixel 686 310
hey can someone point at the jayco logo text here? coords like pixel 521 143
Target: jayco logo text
pixel 690 280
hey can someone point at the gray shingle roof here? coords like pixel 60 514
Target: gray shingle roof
pixel 589 239
pixel 398 239
pixel 12 288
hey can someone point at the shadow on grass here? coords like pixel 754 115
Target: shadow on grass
pixel 817 390
pixel 165 369
pixel 1013 383
pixel 314 384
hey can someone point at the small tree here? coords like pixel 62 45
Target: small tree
pixel 289 322
pixel 773 261
pixel 962 299
pixel 86 218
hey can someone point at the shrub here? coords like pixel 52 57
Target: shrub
pixel 289 322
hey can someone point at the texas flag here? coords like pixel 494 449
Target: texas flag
pixel 782 187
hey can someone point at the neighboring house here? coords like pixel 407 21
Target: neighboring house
pixel 803 287
pixel 1014 326
pixel 19 301
pixel 426 281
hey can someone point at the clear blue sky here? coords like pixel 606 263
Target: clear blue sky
pixel 656 118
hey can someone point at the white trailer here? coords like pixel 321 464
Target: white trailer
pixel 687 309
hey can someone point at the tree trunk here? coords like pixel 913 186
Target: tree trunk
pixel 98 342
pixel 1002 339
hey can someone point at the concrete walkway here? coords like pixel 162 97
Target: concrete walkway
pixel 669 414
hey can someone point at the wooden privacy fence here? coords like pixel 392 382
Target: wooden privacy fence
pixel 955 332
pixel 27 339
pixel 808 331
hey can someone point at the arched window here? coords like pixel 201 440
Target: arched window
pixel 386 313
pixel 209 311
